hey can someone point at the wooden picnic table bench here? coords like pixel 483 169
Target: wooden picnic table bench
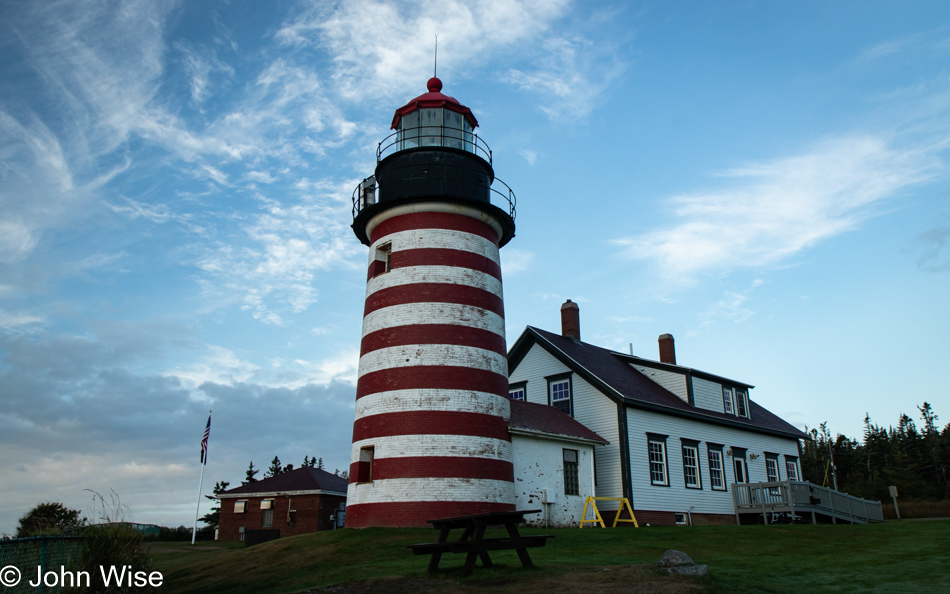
pixel 473 542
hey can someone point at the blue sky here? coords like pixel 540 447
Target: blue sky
pixel 766 181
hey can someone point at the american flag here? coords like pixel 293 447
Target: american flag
pixel 204 441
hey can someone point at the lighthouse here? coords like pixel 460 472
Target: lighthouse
pixel 430 437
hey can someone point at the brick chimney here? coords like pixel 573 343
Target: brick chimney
pixel 667 350
pixel 570 320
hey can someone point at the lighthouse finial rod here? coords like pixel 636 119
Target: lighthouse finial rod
pixel 435 64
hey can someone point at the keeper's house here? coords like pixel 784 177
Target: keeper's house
pixel 678 438
pixel 300 501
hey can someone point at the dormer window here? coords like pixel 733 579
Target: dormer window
pixel 735 402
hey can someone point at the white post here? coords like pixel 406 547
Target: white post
pixel 197 504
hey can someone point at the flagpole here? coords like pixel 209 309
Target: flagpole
pixel 204 462
pixel 198 504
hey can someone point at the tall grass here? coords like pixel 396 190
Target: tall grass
pixel 917 509
pixel 112 543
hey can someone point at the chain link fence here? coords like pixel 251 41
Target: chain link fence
pixel 20 557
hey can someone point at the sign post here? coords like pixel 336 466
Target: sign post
pixel 893 491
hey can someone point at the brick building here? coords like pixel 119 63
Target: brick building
pixel 297 502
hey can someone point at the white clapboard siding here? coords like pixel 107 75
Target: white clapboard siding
pixel 676 497
pixel 707 394
pixel 597 412
pixel 672 381
pixel 535 366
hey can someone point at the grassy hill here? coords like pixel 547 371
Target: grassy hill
pixel 909 556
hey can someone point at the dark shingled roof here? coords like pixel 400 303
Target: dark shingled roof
pixel 547 419
pixel 300 479
pixel 612 374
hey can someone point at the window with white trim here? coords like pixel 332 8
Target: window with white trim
pixel 742 403
pixel 771 469
pixel 791 467
pixel 727 400
pixel 691 466
pixel 517 391
pixel 716 479
pixel 240 506
pixel 559 391
pixel 656 448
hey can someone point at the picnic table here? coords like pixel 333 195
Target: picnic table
pixel 473 542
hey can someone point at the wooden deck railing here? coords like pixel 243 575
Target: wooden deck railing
pixel 800 498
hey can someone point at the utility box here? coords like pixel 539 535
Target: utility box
pixel 892 490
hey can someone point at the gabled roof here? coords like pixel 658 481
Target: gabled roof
pixel 611 373
pixel 546 421
pixel 300 479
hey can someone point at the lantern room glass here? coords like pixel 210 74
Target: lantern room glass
pixel 435 127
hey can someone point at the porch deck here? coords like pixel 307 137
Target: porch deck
pixel 802 499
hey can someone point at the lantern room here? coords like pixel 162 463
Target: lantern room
pixel 434 119
pixel 433 155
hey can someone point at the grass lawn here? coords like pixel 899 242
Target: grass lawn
pixel 909 556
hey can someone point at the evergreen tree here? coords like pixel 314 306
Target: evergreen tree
pixel 213 517
pixel 275 468
pixel 288 468
pixel 250 475
pixel 320 463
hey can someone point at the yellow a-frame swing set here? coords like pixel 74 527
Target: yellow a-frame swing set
pixel 591 502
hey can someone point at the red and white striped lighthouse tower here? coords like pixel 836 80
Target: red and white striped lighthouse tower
pixel 430 437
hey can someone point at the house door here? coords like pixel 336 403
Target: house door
pixel 742 476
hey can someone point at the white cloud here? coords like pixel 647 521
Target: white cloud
pixel 14 322
pixel 530 156
pixel 382 48
pixel 773 210
pixel 221 366
pixel 570 76
pixel 514 260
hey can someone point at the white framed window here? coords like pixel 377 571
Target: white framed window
pixel 656 448
pixel 517 391
pixel 691 467
pixel 716 480
pixel 742 403
pixel 240 506
pixel 571 478
pixel 559 394
pixel 727 401
pixel 791 467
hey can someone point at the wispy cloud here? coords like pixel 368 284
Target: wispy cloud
pixel 384 48
pixel 514 260
pixel 570 76
pixel 768 212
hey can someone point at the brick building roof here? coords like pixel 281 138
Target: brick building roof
pixel 300 479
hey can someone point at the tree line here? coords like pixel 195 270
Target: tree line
pixel 914 459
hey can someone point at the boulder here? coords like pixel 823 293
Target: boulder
pixel 690 570
pixel 674 558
